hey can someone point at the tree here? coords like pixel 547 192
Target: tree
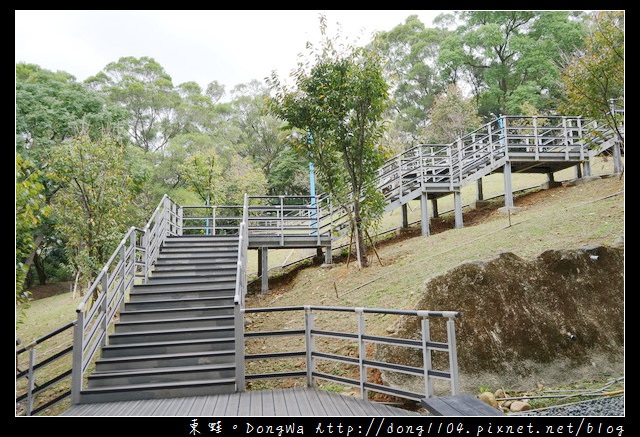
pixel 338 105
pixel 594 76
pixel 511 57
pixel 262 138
pixel 411 52
pixel 144 88
pixel 451 117
pixel 31 210
pixel 91 206
pixel 50 109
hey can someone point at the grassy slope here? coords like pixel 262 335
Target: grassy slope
pixel 563 217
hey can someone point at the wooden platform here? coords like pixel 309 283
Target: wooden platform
pixel 459 405
pixel 284 402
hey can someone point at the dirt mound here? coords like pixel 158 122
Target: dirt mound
pixel 551 319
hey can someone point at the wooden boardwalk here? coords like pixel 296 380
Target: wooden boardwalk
pixel 282 402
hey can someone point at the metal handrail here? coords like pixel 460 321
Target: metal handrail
pixel 30 374
pixel 137 250
pixel 425 344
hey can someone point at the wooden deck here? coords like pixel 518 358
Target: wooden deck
pixel 283 402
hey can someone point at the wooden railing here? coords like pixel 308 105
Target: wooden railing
pixel 312 355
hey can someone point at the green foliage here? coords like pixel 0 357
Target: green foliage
pixel 339 103
pixel 594 76
pixel 91 208
pixel 145 90
pixel 452 117
pixel 51 107
pixel 410 51
pixel 31 210
pixel 511 57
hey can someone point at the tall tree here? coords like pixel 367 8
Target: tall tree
pixel 451 117
pixel 411 53
pixel 31 210
pixel 144 88
pixel 91 207
pixel 338 104
pixel 52 107
pixel 511 57
pixel 593 78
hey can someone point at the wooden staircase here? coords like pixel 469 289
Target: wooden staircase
pixel 175 336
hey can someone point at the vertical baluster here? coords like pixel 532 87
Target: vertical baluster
pixel 309 343
pixel 104 306
pixel 32 379
pixel 77 370
pixel 426 356
pixel 362 352
pixel 453 355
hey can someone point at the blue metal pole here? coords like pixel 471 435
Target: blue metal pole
pixel 312 187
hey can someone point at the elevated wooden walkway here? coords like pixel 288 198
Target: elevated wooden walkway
pixel 283 402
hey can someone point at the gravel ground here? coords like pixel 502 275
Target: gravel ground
pixel 605 406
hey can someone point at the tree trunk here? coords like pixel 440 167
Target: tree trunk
pixel 39 265
pixel 361 246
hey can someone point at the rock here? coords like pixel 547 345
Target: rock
pixel 488 398
pixel 517 406
pixel 500 393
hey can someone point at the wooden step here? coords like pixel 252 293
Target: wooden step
pixel 168 347
pixel 154 391
pixel 162 375
pixel 224 356
pixel 171 335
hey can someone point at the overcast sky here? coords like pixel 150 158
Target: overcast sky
pixel 232 47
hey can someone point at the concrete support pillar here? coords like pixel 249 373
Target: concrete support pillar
pixel 457 201
pixel 264 269
pixel 578 171
pixel 508 190
pixel 328 256
pixel 479 202
pixel 405 216
pixel 586 168
pixel 479 195
pixel 424 214
pixel 551 182
pixel 617 158
pixel 508 207
pixel 434 207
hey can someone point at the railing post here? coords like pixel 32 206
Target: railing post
pixel 460 158
pixel 565 134
pixel 239 346
pixel 213 221
pixel 536 139
pixel 145 253
pixel 362 352
pixel 105 308
pixel 453 355
pixel 399 170
pixel 309 344
pixel 426 356
pixel 78 350
pixel 32 380
pixel 281 220
pixel 505 132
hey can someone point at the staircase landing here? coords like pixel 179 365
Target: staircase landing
pixel 283 402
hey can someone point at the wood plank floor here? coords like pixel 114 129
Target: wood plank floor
pixel 283 402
